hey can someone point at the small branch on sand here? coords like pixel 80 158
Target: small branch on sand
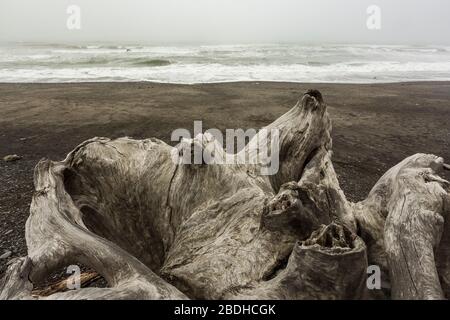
pixel 86 279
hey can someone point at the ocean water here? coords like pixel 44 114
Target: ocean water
pixel 223 63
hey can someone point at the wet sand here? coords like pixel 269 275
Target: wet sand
pixel 374 126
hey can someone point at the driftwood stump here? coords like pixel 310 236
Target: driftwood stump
pixel 157 229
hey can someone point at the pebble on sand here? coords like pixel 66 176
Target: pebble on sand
pixel 11 157
pixel 6 255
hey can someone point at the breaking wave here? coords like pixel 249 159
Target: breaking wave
pixel 224 63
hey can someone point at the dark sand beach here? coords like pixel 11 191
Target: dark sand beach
pixel 374 126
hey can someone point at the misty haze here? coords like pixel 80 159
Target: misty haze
pixel 227 21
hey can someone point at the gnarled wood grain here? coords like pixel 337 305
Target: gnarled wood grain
pixel 155 228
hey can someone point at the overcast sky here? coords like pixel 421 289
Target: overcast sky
pixel 227 21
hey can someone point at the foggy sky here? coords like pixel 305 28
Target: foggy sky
pixel 226 21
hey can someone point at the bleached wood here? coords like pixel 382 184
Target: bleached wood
pixel 155 228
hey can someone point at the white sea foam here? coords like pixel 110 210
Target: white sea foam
pixel 203 64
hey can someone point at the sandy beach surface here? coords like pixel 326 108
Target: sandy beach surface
pixel 374 126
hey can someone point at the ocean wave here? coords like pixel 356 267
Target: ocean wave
pixel 316 63
pixel 201 64
pixel 208 73
pixel 151 62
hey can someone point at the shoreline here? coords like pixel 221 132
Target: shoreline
pixel 229 82
pixel 374 126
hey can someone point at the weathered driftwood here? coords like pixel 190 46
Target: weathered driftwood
pixel 159 229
